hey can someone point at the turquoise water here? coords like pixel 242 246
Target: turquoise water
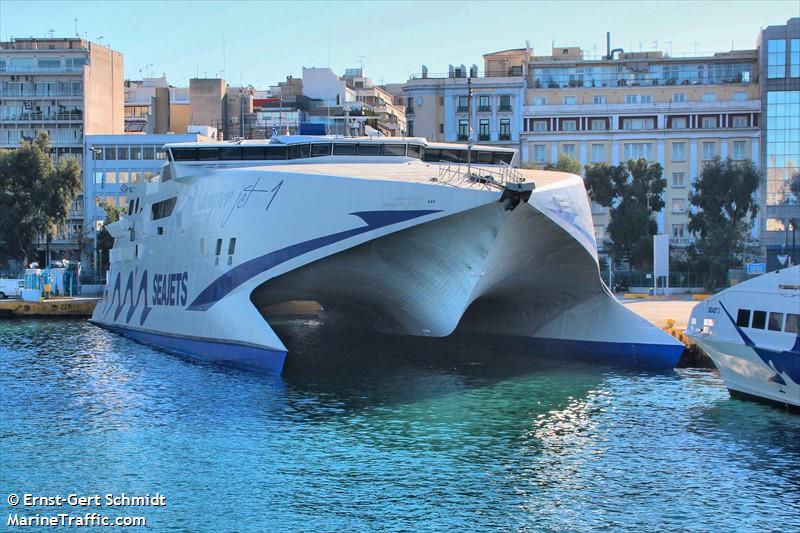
pixel 425 436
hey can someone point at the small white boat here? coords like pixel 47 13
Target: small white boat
pixel 752 333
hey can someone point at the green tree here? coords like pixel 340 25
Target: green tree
pixel 104 239
pixel 565 163
pixel 724 207
pixel 794 185
pixel 35 195
pixel 632 191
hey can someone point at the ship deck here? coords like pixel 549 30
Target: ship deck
pixel 415 171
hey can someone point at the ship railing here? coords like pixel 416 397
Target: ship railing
pixel 487 177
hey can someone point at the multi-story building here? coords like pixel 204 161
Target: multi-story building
pixel 679 112
pixel 467 104
pixel 333 98
pixel 67 88
pixel 779 48
pixel 115 165
pixel 390 117
pixel 207 102
pixel 147 105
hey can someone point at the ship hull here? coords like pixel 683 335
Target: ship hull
pixel 409 258
pixel 747 375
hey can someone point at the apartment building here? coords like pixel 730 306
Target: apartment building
pixel 332 98
pixel 67 88
pixel 466 104
pixel 377 101
pixel 779 55
pixel 147 105
pixel 679 112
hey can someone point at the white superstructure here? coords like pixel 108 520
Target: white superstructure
pixel 752 333
pixel 410 237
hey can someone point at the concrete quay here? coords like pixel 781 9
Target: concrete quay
pixel 52 307
pixel 671 314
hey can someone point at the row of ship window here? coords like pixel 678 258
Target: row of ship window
pixel 303 151
pixel 775 322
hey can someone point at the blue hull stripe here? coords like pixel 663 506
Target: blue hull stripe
pixel 240 355
pixel 224 284
pixel 785 362
pixel 634 354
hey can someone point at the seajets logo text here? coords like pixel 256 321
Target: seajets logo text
pixel 170 289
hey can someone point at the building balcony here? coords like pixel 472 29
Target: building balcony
pixel 572 81
pixel 669 108
pixel 463 137
pixel 505 108
pixel 484 137
pixel 484 109
pixel 43 117
pixel 462 109
pixel 505 136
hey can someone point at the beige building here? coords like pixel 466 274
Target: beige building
pixel 67 88
pixel 465 103
pixel 147 106
pixel 207 102
pixel 679 112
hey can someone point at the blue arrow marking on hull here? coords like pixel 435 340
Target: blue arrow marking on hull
pixel 224 284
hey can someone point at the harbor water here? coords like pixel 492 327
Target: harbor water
pixel 367 433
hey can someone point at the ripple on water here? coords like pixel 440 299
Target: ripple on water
pixel 420 437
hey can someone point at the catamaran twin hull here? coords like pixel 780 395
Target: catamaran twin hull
pixel 407 256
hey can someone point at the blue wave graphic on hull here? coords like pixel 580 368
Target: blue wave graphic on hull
pixel 783 362
pixel 224 284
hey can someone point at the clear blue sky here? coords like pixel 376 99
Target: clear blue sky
pixel 265 41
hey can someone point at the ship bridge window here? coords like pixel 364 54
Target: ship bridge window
pixel 775 321
pixel 743 318
pixel 436 155
pixel 267 153
pixel 792 323
pixel 207 154
pixel 484 158
pixel 369 149
pixel 230 153
pixel 502 157
pixel 164 208
pixel 299 151
pixel 184 154
pixel 344 149
pixel 394 149
pixel 759 319
pixel 414 150
pixel 320 149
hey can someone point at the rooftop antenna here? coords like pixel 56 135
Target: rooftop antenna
pixel 362 58
pixel 553 42
pixel 50 32
pixel 695 44
pixel 224 72
pixel 78 35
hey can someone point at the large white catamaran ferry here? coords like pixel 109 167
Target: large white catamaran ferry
pixel 407 236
